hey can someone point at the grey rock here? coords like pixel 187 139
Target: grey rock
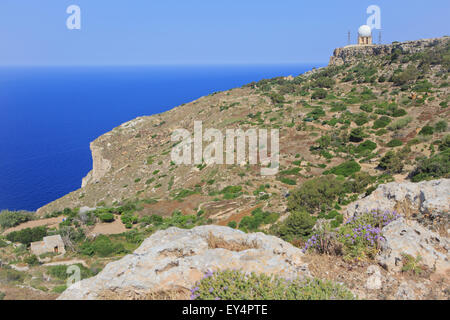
pixel 375 281
pixel 405 292
pixel 430 198
pixel 177 258
pixel 408 237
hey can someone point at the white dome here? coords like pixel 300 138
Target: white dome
pixel 365 31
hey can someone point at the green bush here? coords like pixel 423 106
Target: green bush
pixel 346 169
pixel 298 225
pixel 102 246
pixel 232 224
pixel 366 146
pixel 257 218
pixel 2 295
pixel 394 143
pixel 435 167
pixel 392 162
pixel 32 260
pixel 60 272
pixel 237 285
pixel 381 122
pixel 9 219
pixel 60 288
pixel 288 181
pixel 315 193
pixel 26 236
pixel 426 131
pixel 357 135
pixel 107 217
pixel 319 94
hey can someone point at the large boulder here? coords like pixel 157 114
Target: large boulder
pixel 173 260
pixel 408 237
pixel 427 200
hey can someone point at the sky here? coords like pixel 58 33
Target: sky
pixel 149 32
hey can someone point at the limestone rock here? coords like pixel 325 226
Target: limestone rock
pixel 431 198
pixel 374 282
pixel 174 259
pixel 410 238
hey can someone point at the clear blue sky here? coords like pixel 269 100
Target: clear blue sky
pixel 123 32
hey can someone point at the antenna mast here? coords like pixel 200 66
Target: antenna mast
pixel 349 38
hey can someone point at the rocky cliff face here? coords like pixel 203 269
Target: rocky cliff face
pixel 353 53
pixel 100 166
pixel 171 261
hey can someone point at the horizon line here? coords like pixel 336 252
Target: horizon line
pixel 166 64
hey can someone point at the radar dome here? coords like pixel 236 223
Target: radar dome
pixel 365 31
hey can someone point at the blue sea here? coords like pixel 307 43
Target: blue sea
pixel 49 115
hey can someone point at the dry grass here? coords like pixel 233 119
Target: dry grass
pixel 219 243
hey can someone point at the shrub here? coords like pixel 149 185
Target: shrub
pixel 441 126
pixel 60 272
pixel 357 135
pixel 257 218
pixel 435 167
pixel 9 219
pixel 26 236
pixel 315 193
pixel 361 235
pixel 32 260
pixel 298 225
pixel 426 131
pixel 411 264
pixel 107 217
pixel 2 295
pixel 346 169
pixel 366 146
pixel 366 108
pixel 392 162
pixel 288 181
pixel 394 143
pixel 237 285
pixel 319 94
pixel 60 288
pixel 381 122
pixel 102 246
pixel 232 224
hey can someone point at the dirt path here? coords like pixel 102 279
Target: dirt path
pixel 115 227
pixel 51 223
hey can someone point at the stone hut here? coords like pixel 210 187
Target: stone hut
pixel 51 244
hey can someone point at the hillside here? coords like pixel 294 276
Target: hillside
pixel 394 93
pixel 362 190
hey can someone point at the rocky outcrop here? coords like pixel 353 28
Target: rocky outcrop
pixel 408 237
pixel 174 259
pixel 428 201
pixel 354 53
pixel 100 166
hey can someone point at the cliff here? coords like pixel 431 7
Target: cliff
pixel 354 53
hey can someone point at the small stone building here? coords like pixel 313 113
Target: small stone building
pixel 365 35
pixel 51 244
